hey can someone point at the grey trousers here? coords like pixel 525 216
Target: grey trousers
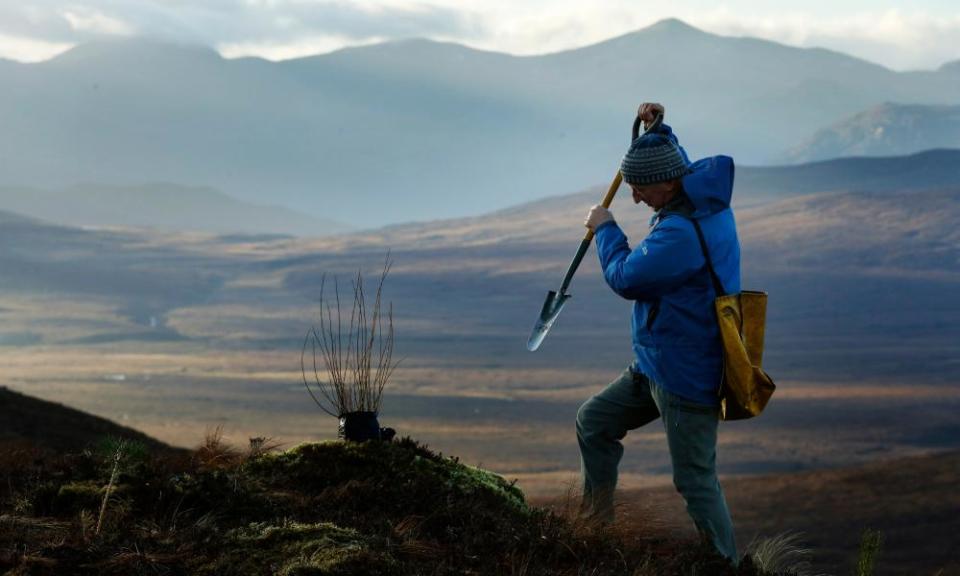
pixel 629 402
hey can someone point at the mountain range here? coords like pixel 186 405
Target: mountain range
pixel 419 130
pixel 163 206
pixel 885 130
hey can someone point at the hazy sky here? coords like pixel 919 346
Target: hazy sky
pixel 897 34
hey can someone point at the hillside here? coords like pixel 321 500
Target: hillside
pixel 330 508
pixel 29 421
pixel 890 174
pixel 553 218
pixel 849 273
pixel 399 508
pixel 444 130
pixel 912 501
pixel 885 130
pixel 60 278
pixel 893 236
pixel 162 206
pixel 796 247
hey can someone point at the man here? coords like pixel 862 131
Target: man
pixel 678 363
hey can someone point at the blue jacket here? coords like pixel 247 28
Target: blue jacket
pixel 675 335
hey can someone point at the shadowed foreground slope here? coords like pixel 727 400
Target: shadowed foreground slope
pixel 101 505
pixel 913 502
pixel 321 508
pixel 47 425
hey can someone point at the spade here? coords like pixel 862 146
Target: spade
pixel 556 299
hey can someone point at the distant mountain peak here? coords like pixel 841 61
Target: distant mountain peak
pixel 407 47
pixel 672 25
pixel 951 67
pixel 665 31
pixel 887 129
pixel 134 49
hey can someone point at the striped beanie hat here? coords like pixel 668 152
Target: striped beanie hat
pixel 652 158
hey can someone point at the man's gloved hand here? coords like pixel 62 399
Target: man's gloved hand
pixel 597 216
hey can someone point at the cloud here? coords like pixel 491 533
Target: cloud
pixel 897 39
pixel 215 22
pixel 95 22
pixel 285 50
pixel 29 49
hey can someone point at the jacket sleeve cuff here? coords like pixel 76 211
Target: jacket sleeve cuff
pixel 604 225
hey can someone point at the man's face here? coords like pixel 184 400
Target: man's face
pixel 653 195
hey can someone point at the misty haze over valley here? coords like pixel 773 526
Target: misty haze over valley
pixel 419 130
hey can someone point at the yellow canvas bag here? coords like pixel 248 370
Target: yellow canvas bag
pixel 745 388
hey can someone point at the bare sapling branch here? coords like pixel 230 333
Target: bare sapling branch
pixel 356 354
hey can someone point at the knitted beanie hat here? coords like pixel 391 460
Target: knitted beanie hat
pixel 652 158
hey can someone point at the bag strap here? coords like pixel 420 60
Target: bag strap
pixel 717 285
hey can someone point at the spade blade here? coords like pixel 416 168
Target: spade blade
pixel 555 300
pixel 551 309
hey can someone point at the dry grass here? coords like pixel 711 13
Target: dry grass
pixel 785 553
pixel 870 544
pixel 635 527
pixel 260 445
pixel 214 453
pixel 114 473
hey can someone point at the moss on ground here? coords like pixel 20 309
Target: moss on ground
pixel 326 508
pixel 295 549
pixel 395 469
pixel 76 496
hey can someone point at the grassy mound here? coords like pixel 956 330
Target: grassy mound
pixel 329 508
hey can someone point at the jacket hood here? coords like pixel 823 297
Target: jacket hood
pixel 709 185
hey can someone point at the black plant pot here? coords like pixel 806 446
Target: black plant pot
pixel 359 426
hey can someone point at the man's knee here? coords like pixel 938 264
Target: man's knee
pixel 583 417
pixel 594 421
pixel 694 481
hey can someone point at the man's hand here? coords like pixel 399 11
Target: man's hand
pixel 597 216
pixel 649 111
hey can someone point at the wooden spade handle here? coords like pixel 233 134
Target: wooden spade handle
pixel 615 185
pixel 588 238
pixel 607 200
